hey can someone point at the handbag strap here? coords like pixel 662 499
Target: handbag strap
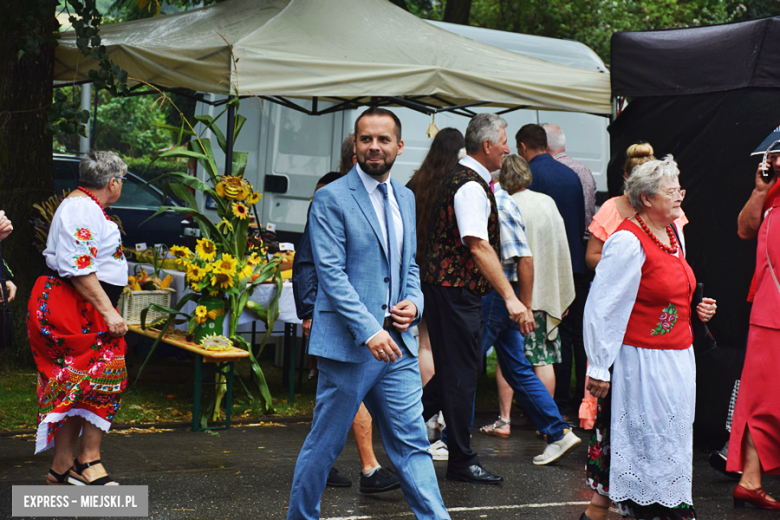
pixel 768 261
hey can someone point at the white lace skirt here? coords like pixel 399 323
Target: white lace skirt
pixel 653 402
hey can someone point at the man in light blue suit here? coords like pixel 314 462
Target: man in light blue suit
pixel 364 241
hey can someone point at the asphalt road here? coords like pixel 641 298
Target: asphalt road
pixel 245 472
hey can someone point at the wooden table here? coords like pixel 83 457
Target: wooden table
pixel 225 366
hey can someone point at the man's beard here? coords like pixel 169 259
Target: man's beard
pixel 375 169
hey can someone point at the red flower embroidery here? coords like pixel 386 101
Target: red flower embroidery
pixel 93 251
pixel 595 452
pixel 97 369
pixel 83 234
pixel 84 261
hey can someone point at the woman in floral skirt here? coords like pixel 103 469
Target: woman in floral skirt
pixel 637 321
pixel 76 333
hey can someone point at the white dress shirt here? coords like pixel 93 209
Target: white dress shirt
pixel 472 207
pixel 378 201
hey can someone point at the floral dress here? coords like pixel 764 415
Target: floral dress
pixel 81 368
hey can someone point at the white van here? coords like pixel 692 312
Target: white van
pixel 289 150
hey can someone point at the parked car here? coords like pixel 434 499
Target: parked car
pixel 138 203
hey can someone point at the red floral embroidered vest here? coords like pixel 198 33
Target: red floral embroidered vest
pixel 661 318
pixel 448 262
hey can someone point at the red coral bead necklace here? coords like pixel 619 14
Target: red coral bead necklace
pixel 672 249
pixel 89 194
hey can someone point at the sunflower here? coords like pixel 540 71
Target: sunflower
pixel 214 342
pixel 222 281
pixel 254 259
pixel 195 287
pixel 226 265
pixel 254 198
pixel 206 249
pixel 200 314
pixel 246 272
pixel 195 273
pixel 240 211
pixel 233 188
pixel 181 251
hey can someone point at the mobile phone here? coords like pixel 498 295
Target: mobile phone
pixel 767 171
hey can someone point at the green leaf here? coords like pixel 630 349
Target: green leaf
pixel 241 236
pixel 240 120
pixel 203 146
pixel 239 163
pixel 182 128
pixel 209 122
pixel 184 194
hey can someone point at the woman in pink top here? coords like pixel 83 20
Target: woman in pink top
pixel 605 222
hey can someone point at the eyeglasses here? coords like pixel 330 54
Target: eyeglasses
pixel 672 194
pixel 121 179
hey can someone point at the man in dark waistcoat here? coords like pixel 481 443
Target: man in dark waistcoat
pixel 462 266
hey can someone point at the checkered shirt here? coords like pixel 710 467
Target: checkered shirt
pixel 514 243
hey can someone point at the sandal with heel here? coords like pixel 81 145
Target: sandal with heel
pixel 61 478
pixel 77 477
pixel 490 429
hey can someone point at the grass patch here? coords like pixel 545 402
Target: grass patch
pixel 147 401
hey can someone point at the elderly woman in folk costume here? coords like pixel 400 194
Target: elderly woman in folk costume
pixel 76 333
pixel 638 321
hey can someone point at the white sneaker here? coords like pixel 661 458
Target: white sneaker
pixel 439 451
pixel 431 425
pixel 557 449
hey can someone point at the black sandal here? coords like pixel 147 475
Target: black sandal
pixel 61 478
pixel 77 479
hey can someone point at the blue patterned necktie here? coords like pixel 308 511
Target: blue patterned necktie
pixel 393 259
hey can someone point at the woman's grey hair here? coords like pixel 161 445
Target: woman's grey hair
pixel 646 179
pixel 97 168
pixel 483 127
pixel 515 173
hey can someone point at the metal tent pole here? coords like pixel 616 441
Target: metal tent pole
pixel 231 123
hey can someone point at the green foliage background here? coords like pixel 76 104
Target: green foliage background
pixel 592 22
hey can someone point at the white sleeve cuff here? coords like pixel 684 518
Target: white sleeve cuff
pixel 602 374
pixel 373 336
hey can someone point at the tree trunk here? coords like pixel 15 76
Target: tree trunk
pixel 25 150
pixel 457 11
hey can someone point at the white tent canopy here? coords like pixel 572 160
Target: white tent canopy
pixel 333 51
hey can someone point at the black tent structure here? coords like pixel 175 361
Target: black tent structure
pixel 709 96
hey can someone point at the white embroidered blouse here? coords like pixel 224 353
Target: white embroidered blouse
pixel 82 241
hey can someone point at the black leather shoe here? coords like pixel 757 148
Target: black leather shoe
pixel 584 517
pixel 380 481
pixel 475 474
pixel 719 463
pixel 336 480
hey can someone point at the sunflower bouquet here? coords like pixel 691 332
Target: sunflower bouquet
pixel 226 266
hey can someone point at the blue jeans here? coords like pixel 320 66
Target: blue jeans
pixel 500 333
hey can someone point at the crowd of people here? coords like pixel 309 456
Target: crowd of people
pixel 483 249
pixel 506 247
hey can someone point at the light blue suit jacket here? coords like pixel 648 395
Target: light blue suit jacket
pixel 352 269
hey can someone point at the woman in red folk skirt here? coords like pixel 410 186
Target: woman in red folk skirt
pixel 754 445
pixel 76 333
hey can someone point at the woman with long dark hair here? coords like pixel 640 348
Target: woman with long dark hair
pixel 446 150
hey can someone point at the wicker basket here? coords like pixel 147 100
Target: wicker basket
pixel 131 305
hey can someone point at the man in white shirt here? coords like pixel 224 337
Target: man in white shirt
pixel 461 266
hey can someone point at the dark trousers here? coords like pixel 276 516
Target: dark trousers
pixel 454 317
pixel 572 347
